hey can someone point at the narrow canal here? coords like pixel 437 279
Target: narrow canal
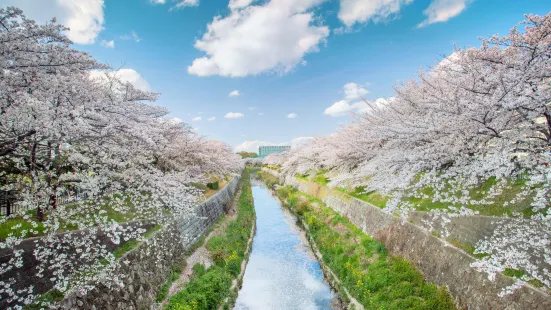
pixel 282 273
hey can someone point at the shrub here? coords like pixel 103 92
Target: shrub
pixel 213 185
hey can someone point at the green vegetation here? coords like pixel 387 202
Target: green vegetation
pixel 247 154
pixel 47 298
pixel 213 185
pixel 498 207
pixel 133 243
pixel 208 289
pixel 377 280
pixel 465 247
pixel 173 276
pixel 268 178
pixel 273 167
pixel 372 197
pixel 519 274
pixel 16 225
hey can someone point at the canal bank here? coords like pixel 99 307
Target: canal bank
pixel 359 265
pixel 282 272
pixel 211 277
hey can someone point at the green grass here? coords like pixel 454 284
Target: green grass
pixel 372 276
pixel 273 167
pixel 518 274
pixel 48 298
pixel 498 206
pixel 133 243
pixel 107 209
pixel 466 247
pixel 173 276
pixel 208 289
pixel 372 197
pixel 268 178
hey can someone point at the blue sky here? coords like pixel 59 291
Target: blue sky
pixel 282 56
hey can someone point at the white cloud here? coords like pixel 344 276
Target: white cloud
pixel 361 11
pixel 252 108
pixel 252 146
pixel 443 10
pixel 196 119
pixel 132 36
pixel 83 17
pixel 343 108
pixel 157 1
pixel 296 142
pixel 272 37
pixel 292 115
pixel 126 75
pixel 234 93
pixel 234 115
pixel 186 3
pixel 353 91
pixel 175 120
pixel 211 118
pixel 260 113
pixel 238 4
pixel 108 44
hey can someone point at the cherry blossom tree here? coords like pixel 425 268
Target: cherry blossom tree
pixel 62 127
pixel 480 113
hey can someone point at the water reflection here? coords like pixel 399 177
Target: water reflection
pixel 281 273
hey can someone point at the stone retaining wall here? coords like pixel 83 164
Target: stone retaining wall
pixel 145 269
pixel 440 263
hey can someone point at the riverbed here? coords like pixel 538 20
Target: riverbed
pixel 282 272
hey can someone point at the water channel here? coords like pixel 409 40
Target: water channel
pixel 282 272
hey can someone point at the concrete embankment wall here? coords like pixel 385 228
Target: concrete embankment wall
pixel 440 263
pixel 145 269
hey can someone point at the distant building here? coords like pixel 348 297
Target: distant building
pixel 264 151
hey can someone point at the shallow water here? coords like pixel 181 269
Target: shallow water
pixel 282 273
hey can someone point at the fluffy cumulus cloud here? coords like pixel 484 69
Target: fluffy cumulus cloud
pixel 83 17
pixel 442 10
pixel 343 108
pixel 361 11
pixel 126 75
pixel 234 93
pixel 292 115
pixel 175 120
pixel 196 119
pixel 211 118
pixel 252 146
pixel 270 37
pixel 238 4
pixel 234 115
pixel 353 92
pixel 108 44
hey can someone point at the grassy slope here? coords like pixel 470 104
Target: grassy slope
pixel 497 208
pixel 374 278
pixel 7 227
pixel 209 288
